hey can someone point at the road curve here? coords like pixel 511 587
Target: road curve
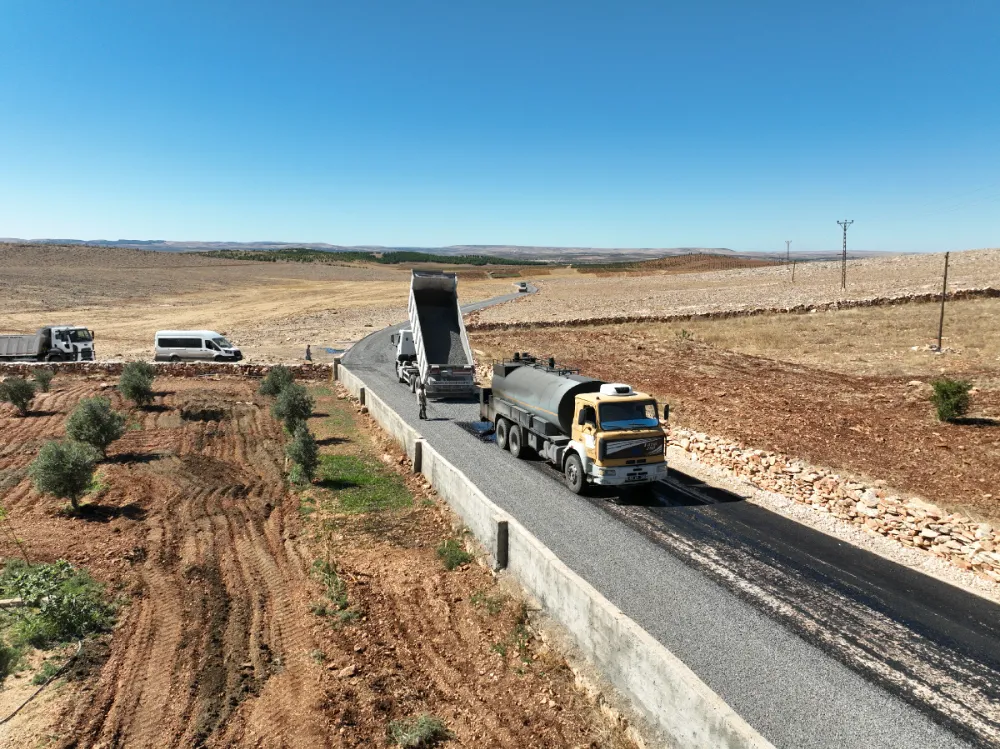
pixel 814 642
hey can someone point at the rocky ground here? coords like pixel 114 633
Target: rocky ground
pixel 877 427
pixel 570 297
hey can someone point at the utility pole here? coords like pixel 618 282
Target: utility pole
pixel 944 294
pixel 843 266
pixel 788 251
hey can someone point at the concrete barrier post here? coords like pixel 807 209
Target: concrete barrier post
pixel 335 372
pixel 500 549
pixel 361 396
pixel 418 454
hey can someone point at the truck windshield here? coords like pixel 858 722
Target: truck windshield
pixel 222 342
pixel 628 415
pixel 81 335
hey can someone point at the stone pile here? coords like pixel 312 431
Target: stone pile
pixel 308 372
pixel 958 539
pixel 475 324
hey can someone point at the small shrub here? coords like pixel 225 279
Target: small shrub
pixel 950 398
pixel 452 554
pixel 47 671
pixel 136 383
pixel 10 656
pixel 63 603
pixel 94 423
pixel 43 378
pixel 419 732
pixel 276 380
pixel 18 392
pixel 64 469
pixel 336 590
pixel 293 406
pixel 303 451
pixel 684 334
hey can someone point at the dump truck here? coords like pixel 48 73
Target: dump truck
pixel 599 433
pixel 51 344
pixel 440 343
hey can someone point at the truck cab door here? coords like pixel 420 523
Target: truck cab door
pixel 585 428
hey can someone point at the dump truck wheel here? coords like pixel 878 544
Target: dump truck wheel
pixel 503 430
pixel 574 474
pixel 515 439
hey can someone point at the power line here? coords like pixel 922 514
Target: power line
pixel 843 266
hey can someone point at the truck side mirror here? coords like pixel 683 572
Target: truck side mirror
pixel 581 418
pixel 666 411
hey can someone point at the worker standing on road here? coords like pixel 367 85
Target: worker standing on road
pixel 422 400
pixel 309 353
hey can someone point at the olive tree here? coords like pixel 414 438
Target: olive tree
pixel 64 469
pixel 136 383
pixel 95 423
pixel 18 392
pixel 277 379
pixel 304 453
pixel 293 406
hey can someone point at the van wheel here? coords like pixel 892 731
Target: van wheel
pixel 574 474
pixel 516 441
pixel 175 359
pixel 503 432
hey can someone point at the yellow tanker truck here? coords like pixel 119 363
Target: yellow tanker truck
pixel 594 432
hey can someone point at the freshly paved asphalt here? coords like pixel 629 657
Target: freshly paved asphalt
pixel 816 643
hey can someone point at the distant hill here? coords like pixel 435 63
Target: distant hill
pixel 514 252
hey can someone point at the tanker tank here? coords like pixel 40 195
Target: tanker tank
pixel 544 391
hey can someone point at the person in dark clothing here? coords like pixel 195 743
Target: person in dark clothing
pixel 309 355
pixel 422 401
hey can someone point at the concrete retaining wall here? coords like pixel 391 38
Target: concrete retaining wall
pixel 670 696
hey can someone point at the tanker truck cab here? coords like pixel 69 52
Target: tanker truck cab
pixel 593 432
pixel 617 439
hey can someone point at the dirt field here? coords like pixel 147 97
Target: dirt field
pixel 220 641
pixel 271 310
pixel 839 389
pixel 584 296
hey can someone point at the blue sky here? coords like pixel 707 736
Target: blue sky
pixel 626 124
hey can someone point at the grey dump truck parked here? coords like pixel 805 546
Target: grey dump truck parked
pixel 52 343
pixel 441 358
pixel 593 432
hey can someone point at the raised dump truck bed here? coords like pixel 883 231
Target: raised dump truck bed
pixel 444 357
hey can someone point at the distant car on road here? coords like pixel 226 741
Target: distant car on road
pixel 194 345
pixel 522 286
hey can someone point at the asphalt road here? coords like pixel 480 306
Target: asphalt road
pixel 816 643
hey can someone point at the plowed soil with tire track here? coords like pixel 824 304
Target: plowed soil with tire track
pixel 216 644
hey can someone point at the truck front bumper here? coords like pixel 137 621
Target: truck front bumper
pixel 626 475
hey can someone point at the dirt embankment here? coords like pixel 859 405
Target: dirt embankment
pixel 878 427
pixel 218 643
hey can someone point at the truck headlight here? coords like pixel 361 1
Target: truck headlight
pixel 661 468
pixel 608 472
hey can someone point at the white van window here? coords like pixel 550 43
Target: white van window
pixel 222 342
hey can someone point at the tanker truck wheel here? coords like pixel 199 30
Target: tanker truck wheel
pixel 503 430
pixel 574 474
pixel 515 438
